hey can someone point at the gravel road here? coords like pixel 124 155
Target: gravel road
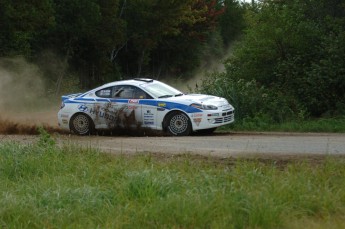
pixel 221 145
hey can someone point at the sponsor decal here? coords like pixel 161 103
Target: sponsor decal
pixel 197 115
pixel 162 104
pixel 160 109
pixel 149 118
pixel 82 108
pixel 104 93
pixel 216 114
pixel 64 116
pixel 197 121
pixel 64 121
pixel 102 114
pixel 148 114
pixel 133 101
pixel 111 115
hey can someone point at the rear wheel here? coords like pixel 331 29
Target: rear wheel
pixel 81 124
pixel 178 124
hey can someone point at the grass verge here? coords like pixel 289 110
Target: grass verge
pixel 45 186
pixel 330 125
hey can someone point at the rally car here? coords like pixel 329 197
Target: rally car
pixel 143 103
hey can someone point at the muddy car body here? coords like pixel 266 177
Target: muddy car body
pixel 144 103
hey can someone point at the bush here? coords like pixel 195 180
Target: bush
pixel 252 102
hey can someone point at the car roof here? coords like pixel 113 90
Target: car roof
pixel 135 82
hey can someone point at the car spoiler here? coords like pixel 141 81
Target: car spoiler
pixel 64 97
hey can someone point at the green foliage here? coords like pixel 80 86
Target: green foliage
pixel 87 32
pixel 289 64
pixel 106 40
pixel 251 101
pixel 167 38
pixel 51 187
pixel 21 23
pixel 45 139
pixel 231 22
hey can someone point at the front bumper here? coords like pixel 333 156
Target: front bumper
pixel 224 117
pixel 212 119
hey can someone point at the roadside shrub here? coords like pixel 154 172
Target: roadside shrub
pixel 45 140
pixel 254 104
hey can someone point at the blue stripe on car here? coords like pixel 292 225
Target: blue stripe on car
pixel 83 99
pixel 170 105
pixel 102 100
pixel 164 104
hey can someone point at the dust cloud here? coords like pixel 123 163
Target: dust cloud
pixel 23 101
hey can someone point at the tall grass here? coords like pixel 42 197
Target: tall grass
pixel 44 186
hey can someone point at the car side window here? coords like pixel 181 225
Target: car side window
pixel 129 92
pixel 126 93
pixel 140 94
pixel 123 92
pixel 104 93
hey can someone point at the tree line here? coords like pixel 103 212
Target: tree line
pixel 105 40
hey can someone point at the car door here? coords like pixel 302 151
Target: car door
pixel 141 106
pixel 126 107
pixel 149 109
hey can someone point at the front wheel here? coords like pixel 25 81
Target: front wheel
pixel 178 124
pixel 81 124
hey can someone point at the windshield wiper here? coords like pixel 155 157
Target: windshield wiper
pixel 179 94
pixel 165 96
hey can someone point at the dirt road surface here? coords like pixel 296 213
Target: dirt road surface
pixel 219 144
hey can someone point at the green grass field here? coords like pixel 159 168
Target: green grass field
pixel 46 186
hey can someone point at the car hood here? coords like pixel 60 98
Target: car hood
pixel 199 98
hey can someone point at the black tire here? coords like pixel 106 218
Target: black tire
pixel 206 131
pixel 178 124
pixel 81 124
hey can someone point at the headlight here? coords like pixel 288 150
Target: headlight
pixel 204 106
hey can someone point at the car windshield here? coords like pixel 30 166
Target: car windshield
pixel 161 90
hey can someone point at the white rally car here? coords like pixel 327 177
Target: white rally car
pixel 143 103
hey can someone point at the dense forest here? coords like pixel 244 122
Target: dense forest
pixel 284 59
pixel 105 40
